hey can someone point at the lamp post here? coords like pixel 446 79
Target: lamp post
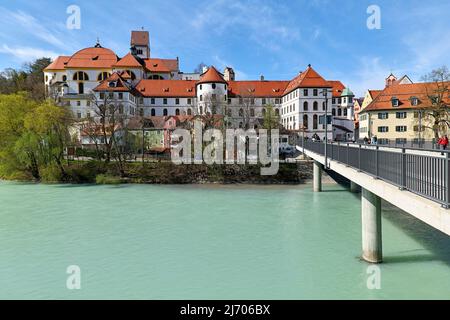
pixel 325 94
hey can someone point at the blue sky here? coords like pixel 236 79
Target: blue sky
pixel 274 38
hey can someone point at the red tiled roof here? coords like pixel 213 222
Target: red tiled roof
pixel 139 38
pixel 211 75
pixel 166 88
pixel 97 57
pixel 257 88
pixel 120 84
pixel 375 93
pixel 338 87
pixel 307 79
pixel 58 64
pixel 404 93
pixel 129 61
pixel 161 65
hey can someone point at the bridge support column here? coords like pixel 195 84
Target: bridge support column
pixel 317 185
pixel 354 188
pixel 371 227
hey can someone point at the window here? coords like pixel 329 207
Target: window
pixel 305 92
pixel 88 114
pixel 201 87
pixel 315 122
pixel 383 115
pixel 383 141
pixel 277 101
pixel 241 112
pixel 177 112
pixel 414 101
pixel 333 101
pixel 315 106
pixel 80 76
pixel 400 128
pixel 88 103
pixel 277 112
pixel 305 121
pixel 64 78
pixel 165 101
pixel 400 141
pixel 252 112
pixel 120 96
pixel 416 128
pixel 383 129
pixel 345 112
pixel 189 101
pixel 400 115
pixel 120 109
pixel 229 101
pixel 323 106
pixel 213 85
pixel 263 101
pixel 333 112
pixel 152 100
pixel 315 93
pixel 201 97
pixel 103 76
pixel 165 112
pixel 79 115
pixel 189 111
pixel 177 101
pixel 78 103
pixel 141 112
pixel 252 101
pixel 111 95
pixel 395 102
pixel 264 112
pixel 305 106
pixel 201 110
pixel 80 87
pixel 339 112
pixel 153 112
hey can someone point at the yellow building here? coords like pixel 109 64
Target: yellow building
pixel 398 114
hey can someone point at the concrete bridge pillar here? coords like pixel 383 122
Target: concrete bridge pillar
pixel 317 185
pixel 354 188
pixel 371 227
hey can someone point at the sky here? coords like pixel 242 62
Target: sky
pixel 277 39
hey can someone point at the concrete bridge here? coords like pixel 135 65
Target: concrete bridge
pixel 416 181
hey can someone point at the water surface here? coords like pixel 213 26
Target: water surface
pixel 208 242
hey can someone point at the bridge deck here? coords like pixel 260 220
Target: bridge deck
pixel 416 181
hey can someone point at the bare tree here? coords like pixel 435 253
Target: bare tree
pixel 435 110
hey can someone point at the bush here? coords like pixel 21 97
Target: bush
pixel 50 174
pixel 107 179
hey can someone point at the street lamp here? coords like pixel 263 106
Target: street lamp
pixel 325 94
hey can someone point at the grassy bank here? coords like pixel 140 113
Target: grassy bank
pixel 169 173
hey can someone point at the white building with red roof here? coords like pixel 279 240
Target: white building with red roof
pixel 144 85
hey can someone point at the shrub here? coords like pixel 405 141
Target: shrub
pixel 107 179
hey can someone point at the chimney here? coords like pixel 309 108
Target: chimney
pixel 262 78
pixel 228 74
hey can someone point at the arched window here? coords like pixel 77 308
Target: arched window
pixel 177 112
pixel 165 112
pixel 241 112
pixel 80 87
pixel 277 112
pixel 132 74
pixel 339 112
pixel 153 112
pixel 333 112
pixel 64 78
pixel 305 121
pixel 315 106
pixel 189 111
pixel 315 122
pixel 103 76
pixel 345 112
pixel 213 85
pixel 305 106
pixel 81 76
pixel 323 106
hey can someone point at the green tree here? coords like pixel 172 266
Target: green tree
pixel 271 120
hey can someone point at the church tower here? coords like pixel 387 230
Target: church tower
pixel 140 44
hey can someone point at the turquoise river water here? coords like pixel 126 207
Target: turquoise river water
pixel 208 242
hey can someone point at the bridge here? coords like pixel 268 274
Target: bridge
pixel 414 180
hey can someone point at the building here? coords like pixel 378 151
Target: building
pixel 398 114
pixel 141 85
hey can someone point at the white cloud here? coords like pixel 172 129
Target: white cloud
pixel 26 54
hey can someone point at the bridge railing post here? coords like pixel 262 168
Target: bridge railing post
pixel 377 169
pixel 348 161
pixel 359 157
pixel 403 167
pixel 447 180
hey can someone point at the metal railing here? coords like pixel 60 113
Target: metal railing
pixel 423 172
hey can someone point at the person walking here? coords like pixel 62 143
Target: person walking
pixel 443 142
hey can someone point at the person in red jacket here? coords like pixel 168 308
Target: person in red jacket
pixel 443 142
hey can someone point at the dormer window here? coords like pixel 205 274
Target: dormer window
pixel 395 102
pixel 414 101
pixel 112 84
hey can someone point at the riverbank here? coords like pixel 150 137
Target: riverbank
pixel 165 172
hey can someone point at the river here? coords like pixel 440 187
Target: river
pixel 208 242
